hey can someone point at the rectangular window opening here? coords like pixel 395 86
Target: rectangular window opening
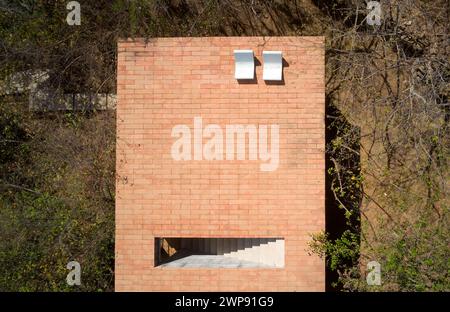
pixel 180 252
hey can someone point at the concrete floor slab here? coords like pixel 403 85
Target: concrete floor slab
pixel 212 261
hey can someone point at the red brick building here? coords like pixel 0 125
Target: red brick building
pixel 193 214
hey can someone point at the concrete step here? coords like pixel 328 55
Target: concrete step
pixel 266 251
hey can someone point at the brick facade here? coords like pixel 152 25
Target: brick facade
pixel 170 81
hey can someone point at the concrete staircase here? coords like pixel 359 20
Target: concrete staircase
pixel 268 252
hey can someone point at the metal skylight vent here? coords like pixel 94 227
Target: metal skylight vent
pixel 273 65
pixel 244 64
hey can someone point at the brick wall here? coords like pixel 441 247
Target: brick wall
pixel 169 81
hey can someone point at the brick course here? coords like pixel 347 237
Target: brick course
pixel 169 81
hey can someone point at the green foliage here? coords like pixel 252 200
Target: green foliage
pixel 343 250
pixel 41 234
pixel 12 136
pixel 57 202
pixel 418 261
